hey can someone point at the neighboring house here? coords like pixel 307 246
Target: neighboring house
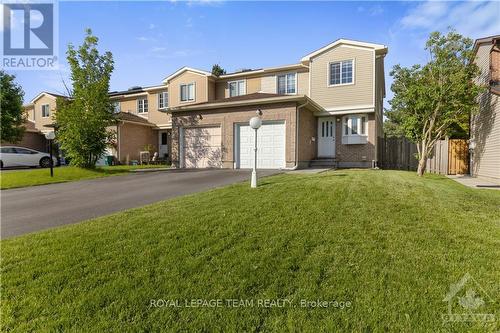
pixel 140 120
pixel 32 138
pixel 485 125
pixel 328 107
pixel 325 110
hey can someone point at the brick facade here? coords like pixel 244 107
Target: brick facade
pixel 132 140
pixel 226 118
pixel 355 155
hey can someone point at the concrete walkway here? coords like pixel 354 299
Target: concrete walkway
pixel 476 182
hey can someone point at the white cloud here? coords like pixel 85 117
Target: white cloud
pixel 189 23
pixel 152 26
pixel 158 49
pixel 146 39
pixel 473 19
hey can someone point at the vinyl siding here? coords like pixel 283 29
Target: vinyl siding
pixel 201 90
pixel 485 127
pixel 358 94
pixel 39 121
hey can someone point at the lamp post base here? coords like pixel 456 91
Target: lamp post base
pixel 253 183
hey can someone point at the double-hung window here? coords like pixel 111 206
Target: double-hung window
pixel 237 88
pixel 162 100
pixel 187 92
pixel 341 72
pixel 287 84
pixel 142 105
pixel 355 129
pixel 45 111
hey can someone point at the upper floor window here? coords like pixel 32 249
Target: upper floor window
pixel 355 125
pixel 142 105
pixel 116 107
pixel 187 92
pixel 341 72
pixel 162 100
pixel 45 111
pixel 287 83
pixel 237 88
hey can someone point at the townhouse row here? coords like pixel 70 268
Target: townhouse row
pixel 327 107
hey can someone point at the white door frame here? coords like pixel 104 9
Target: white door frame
pixel 160 132
pixel 326 144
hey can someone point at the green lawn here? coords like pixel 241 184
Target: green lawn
pixel 388 242
pixel 31 177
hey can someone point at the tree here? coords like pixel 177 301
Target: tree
pixel 82 120
pixel 432 99
pixel 11 106
pixel 218 70
pixel 392 124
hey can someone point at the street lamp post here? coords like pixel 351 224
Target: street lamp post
pixel 255 123
pixel 51 136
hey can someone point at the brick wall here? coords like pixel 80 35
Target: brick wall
pixel 495 63
pixel 226 118
pixel 307 131
pixel 356 155
pixel 132 139
pixel 31 140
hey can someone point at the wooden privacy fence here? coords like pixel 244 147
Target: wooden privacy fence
pixel 449 156
pixel 397 154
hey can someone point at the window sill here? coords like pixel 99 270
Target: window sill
pixel 354 139
pixel 340 85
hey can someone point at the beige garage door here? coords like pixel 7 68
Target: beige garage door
pixel 202 147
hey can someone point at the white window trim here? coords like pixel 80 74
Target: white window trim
pixel 286 82
pixel 341 84
pixel 194 92
pixel 48 113
pixel 233 81
pixel 165 100
pixel 358 116
pixel 138 108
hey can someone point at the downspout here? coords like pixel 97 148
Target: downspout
pixel 119 141
pixel 297 136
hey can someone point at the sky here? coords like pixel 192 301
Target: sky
pixel 150 40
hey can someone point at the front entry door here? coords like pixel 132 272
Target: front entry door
pixel 326 137
pixel 163 144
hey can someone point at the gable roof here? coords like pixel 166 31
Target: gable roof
pixel 484 40
pixel 45 93
pixel 377 47
pixel 186 69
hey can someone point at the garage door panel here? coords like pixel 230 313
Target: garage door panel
pixel 202 147
pixel 271 146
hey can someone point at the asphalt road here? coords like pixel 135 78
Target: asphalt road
pixel 35 208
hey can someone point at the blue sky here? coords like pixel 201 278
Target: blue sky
pixel 150 40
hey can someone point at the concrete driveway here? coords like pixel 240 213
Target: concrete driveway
pixel 35 208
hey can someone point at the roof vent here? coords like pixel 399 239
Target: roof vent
pixel 135 88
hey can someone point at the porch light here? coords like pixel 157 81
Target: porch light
pixel 255 123
pixel 50 136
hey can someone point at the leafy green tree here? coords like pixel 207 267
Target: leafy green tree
pixel 11 100
pixel 218 70
pixel 431 100
pixel 83 119
pixel 392 124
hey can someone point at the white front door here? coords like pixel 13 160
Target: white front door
pixel 162 144
pixel 270 146
pixel 326 137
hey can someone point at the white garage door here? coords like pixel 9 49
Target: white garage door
pixel 270 146
pixel 202 147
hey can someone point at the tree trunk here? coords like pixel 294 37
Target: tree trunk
pixel 422 161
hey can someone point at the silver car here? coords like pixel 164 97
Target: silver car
pixel 12 156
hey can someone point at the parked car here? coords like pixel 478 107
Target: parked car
pixel 11 156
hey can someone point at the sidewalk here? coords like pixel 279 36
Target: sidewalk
pixel 476 182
